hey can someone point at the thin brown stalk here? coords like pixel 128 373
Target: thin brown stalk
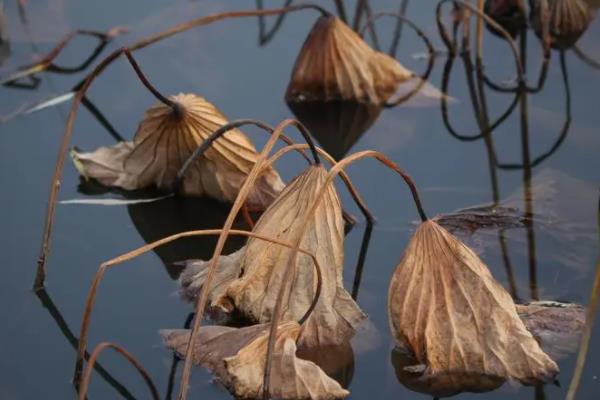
pixel 91 297
pixel 291 262
pixel 430 50
pixel 129 357
pixel 235 208
pixel 343 175
pixel 479 31
pixel 68 132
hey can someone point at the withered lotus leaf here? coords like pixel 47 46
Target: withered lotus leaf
pixel 237 357
pixel 445 307
pixel 567 20
pixel 165 139
pixel 509 14
pixel 336 64
pixel 260 266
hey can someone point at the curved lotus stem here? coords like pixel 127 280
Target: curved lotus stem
pixel 444 104
pixel 564 131
pixel 96 353
pixel 430 49
pixel 91 297
pixel 265 37
pixel 349 185
pixel 205 145
pixel 291 262
pixel 451 48
pixel 586 58
pixel 68 132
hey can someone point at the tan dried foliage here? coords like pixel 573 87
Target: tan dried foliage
pixel 259 266
pixel 336 64
pixel 163 142
pixel 237 357
pixel 567 19
pixel 445 307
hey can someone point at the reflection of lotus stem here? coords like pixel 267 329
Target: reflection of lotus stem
pixel 430 49
pixel 451 47
pixel 291 262
pixel 91 297
pixel 586 58
pixel 96 353
pixel 68 132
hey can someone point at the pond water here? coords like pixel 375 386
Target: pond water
pixel 551 259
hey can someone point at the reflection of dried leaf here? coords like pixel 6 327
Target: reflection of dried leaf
pixel 509 14
pixel 165 139
pixel 237 358
pixel 567 19
pixel 557 326
pixel 261 267
pixel 482 217
pixel 336 64
pixel 445 306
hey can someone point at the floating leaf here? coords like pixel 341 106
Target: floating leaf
pixel 166 138
pixel 336 64
pixel 445 307
pixel 113 202
pixel 557 326
pixel 237 357
pixel 259 266
pixel 567 20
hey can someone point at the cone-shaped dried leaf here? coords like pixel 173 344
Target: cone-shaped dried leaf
pixel 163 142
pixel 261 267
pixel 336 64
pixel 567 19
pixel 445 306
pixel 237 357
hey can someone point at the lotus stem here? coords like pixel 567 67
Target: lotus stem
pixel 68 132
pixel 91 297
pixel 205 145
pixel 586 58
pixel 96 353
pixel 398 30
pixel 291 262
pixel 430 49
pixel 235 208
pixel 349 185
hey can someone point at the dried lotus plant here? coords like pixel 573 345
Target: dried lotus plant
pixel 166 138
pixel 445 307
pixel 565 20
pixel 248 280
pixel 237 357
pixel 336 64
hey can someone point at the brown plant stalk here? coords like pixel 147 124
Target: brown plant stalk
pixel 77 100
pixel 96 353
pixel 91 297
pixel 291 263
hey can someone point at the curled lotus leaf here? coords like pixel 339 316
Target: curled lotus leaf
pixel 255 272
pixel 165 139
pixel 446 308
pixel 237 357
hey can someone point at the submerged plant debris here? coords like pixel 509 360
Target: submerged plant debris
pixel 248 280
pixel 165 139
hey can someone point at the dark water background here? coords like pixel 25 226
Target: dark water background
pixel 224 63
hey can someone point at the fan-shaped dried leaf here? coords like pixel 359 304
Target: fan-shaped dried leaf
pixel 261 266
pixel 336 64
pixel 165 139
pixel 445 306
pixel 567 19
pixel 237 357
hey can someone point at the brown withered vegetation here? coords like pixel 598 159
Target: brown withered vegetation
pixel 237 357
pixel 166 138
pixel 445 307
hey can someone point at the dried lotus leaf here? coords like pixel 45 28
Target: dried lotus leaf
pixel 261 267
pixel 166 138
pixel 445 307
pixel 336 64
pixel 567 20
pixel 509 14
pixel 237 357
